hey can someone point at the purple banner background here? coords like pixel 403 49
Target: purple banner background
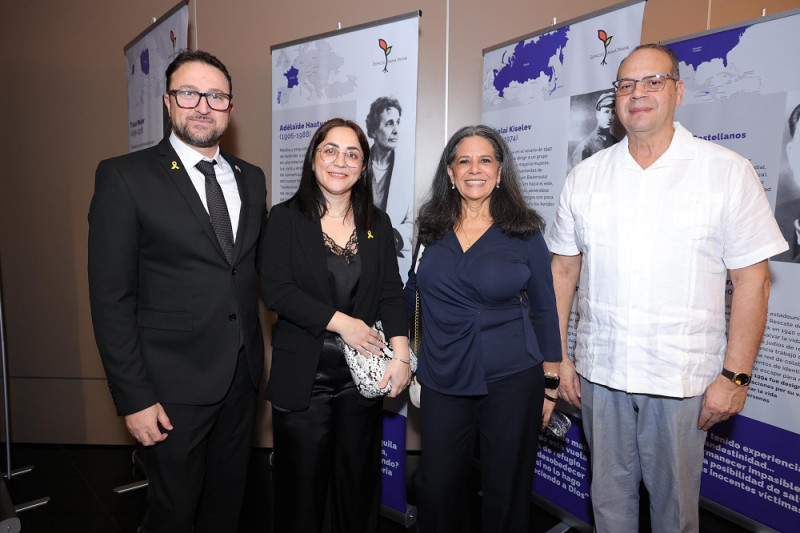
pixel 393 461
pixel 562 472
pixel 754 469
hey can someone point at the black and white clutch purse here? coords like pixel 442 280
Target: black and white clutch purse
pixel 368 372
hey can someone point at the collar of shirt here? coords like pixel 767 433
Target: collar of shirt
pixel 680 147
pixel 225 176
pixel 190 157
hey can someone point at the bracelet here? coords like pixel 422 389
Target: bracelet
pixel 406 361
pixel 548 397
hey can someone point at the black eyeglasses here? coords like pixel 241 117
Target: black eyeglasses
pixel 651 84
pixel 187 99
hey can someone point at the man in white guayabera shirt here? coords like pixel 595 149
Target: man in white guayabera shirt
pixel 648 230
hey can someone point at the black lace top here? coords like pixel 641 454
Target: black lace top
pixel 344 271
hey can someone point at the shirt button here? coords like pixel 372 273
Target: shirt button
pixel 232 317
pixel 233 272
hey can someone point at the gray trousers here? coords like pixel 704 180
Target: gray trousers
pixel 638 437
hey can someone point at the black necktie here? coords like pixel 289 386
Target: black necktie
pixel 217 209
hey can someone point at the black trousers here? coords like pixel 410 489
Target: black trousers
pixel 505 423
pixel 327 457
pixel 197 474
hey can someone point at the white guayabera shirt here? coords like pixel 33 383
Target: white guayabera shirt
pixel 656 245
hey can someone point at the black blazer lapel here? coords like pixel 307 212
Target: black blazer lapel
pixel 368 250
pixel 245 209
pixel 309 232
pixel 173 166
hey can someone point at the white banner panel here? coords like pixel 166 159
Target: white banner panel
pixel 340 75
pixel 146 59
pixel 551 98
pixel 741 92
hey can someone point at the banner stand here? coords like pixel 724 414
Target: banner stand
pixel 568 521
pixel 732 516
pixel 9 519
pixel 407 519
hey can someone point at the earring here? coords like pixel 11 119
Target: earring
pixel 498 184
pixel 452 185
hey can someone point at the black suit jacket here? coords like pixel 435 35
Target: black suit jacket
pixel 296 286
pixel 166 304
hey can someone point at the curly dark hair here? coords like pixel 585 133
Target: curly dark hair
pixel 379 106
pixel 442 209
pixel 309 195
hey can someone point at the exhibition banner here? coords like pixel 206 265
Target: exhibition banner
pixel 367 74
pixel 146 58
pixel 549 94
pixel 342 74
pixel 742 93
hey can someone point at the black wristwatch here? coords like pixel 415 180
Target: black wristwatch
pixel 740 378
pixel 551 381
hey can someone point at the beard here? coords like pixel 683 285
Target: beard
pixel 208 139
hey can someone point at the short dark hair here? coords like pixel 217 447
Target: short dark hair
pixel 379 106
pixel 442 209
pixel 309 196
pixel 793 118
pixel 197 56
pixel 676 70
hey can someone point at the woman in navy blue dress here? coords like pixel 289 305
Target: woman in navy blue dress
pixel 489 334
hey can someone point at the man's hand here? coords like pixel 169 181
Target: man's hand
pixel 570 387
pixel 722 400
pixel 143 425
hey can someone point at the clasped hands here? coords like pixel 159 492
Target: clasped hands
pixel 367 341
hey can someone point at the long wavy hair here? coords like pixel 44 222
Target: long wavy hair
pixel 441 211
pixel 309 196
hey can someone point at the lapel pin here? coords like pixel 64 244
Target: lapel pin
pixel 239 170
pixel 369 234
pixel 175 166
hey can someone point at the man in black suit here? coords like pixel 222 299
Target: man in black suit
pixel 174 253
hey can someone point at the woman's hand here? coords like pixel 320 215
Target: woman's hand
pixel 550 369
pixel 548 406
pixel 355 332
pixel 399 370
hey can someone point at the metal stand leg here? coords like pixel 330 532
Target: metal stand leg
pixel 7 524
pixel 136 459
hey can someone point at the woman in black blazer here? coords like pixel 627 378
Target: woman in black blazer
pixel 331 271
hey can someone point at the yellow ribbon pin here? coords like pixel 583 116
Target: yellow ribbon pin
pixel 175 166
pixel 369 234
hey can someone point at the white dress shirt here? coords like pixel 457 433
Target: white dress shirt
pixel 227 181
pixel 656 245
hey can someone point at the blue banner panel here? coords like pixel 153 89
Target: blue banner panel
pixel 393 461
pixel 562 472
pixel 754 468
